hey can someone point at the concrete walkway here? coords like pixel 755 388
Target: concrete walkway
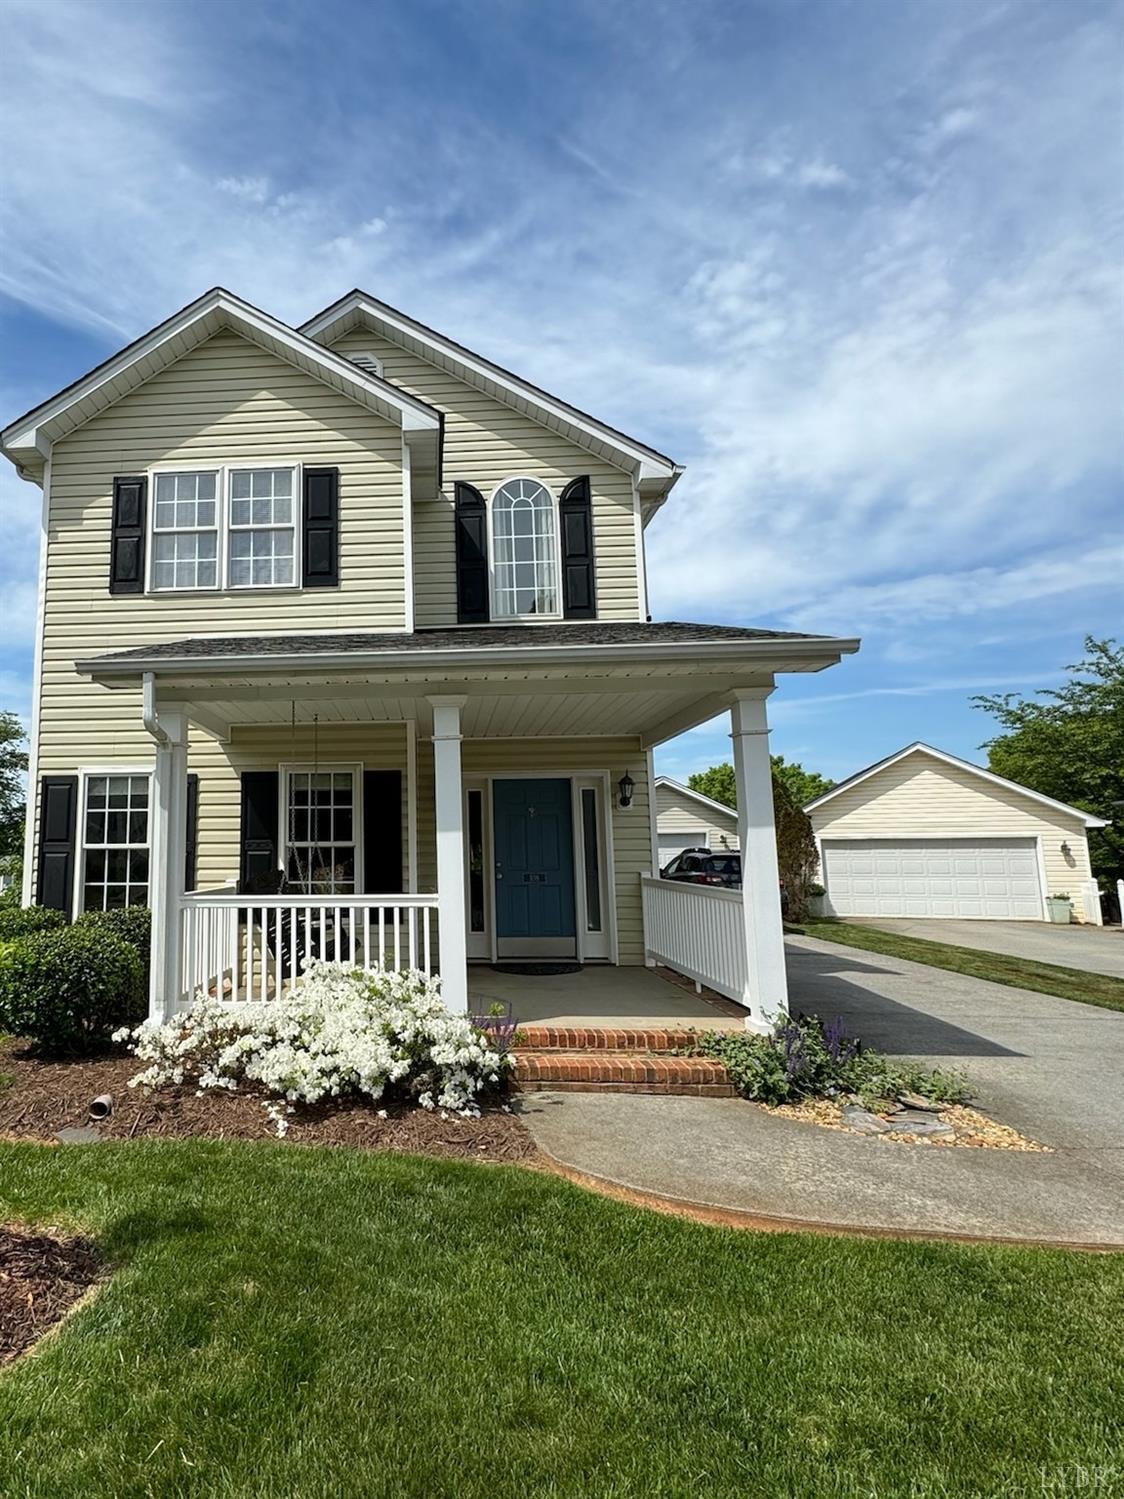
pixel 1049 1067
pixel 1094 949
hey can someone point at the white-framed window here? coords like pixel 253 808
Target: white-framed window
pixel 263 528
pixel 115 838
pixel 523 517
pixel 185 529
pixel 232 527
pixel 321 812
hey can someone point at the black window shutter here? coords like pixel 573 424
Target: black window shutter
pixel 58 822
pixel 126 547
pixel 258 873
pixel 472 555
pixel 575 514
pixel 192 840
pixel 321 525
pixel 382 832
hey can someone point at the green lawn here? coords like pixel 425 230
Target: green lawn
pixel 1022 973
pixel 294 1322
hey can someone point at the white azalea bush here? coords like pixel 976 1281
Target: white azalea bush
pixel 342 1031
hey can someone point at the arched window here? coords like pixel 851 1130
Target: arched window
pixel 524 550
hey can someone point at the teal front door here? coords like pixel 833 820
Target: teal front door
pixel 534 843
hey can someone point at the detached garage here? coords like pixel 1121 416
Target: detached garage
pixel 688 819
pixel 923 833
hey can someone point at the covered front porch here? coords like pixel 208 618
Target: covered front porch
pixel 524 759
pixel 620 998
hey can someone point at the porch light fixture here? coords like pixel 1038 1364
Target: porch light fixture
pixel 626 786
pixel 1066 850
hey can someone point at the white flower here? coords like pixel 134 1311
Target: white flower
pixel 343 1031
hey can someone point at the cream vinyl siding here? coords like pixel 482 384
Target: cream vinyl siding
pixel 487 442
pixel 266 747
pixel 226 401
pixel 630 828
pixel 922 797
pixel 676 813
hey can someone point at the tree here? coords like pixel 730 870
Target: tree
pixel 717 783
pixel 13 762
pixel 1071 746
pixel 797 857
pixel 802 785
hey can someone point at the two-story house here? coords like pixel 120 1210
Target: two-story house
pixel 344 650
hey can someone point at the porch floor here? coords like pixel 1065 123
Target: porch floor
pixel 599 996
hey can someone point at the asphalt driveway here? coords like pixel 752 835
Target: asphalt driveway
pixel 1095 949
pixel 1048 1066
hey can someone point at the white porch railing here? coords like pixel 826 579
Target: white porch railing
pixel 698 930
pixel 240 947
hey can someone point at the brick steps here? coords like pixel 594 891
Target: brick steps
pixel 603 1070
pixel 605 1038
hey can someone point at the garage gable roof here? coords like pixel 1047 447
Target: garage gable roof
pixel 696 796
pixel 918 748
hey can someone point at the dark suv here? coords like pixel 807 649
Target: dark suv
pixel 698 866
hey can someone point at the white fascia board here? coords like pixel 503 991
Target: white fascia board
pixel 706 801
pixel 919 748
pixel 648 465
pixel 761 656
pixel 26 430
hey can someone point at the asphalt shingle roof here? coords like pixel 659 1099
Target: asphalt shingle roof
pixel 466 638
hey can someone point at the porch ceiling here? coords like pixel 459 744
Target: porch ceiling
pixel 634 681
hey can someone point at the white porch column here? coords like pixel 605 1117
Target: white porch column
pixel 448 800
pixel 766 984
pixel 168 836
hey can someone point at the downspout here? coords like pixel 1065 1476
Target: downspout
pixel 148 709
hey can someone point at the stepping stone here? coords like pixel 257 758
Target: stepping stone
pixel 863 1121
pixel 915 1101
pixel 84 1134
pixel 911 1122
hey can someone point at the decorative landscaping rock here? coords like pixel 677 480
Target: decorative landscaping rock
pixel 915 1101
pixel 863 1121
pixel 911 1122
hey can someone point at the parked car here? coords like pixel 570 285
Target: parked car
pixel 698 866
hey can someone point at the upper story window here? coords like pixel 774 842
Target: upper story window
pixel 263 531
pixel 524 522
pixel 185 530
pixel 224 528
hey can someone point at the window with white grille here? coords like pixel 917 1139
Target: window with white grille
pixel 185 530
pixel 524 550
pixel 263 532
pixel 115 842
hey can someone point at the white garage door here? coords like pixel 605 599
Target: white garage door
pixel 992 878
pixel 674 843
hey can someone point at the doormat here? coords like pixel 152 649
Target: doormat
pixel 538 970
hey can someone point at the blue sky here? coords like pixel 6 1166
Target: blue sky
pixel 854 262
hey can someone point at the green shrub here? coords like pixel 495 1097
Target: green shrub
pixel 803 1058
pixel 68 991
pixel 21 921
pixel 132 923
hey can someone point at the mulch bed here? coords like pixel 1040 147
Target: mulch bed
pixel 42 1097
pixel 41 1277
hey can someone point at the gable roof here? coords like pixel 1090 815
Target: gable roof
pixel 655 472
pixel 918 748
pixel 27 441
pixel 697 796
